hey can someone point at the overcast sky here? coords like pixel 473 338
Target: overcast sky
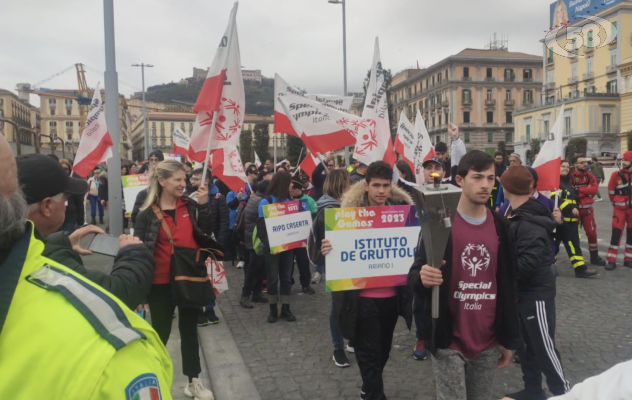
pixel 299 39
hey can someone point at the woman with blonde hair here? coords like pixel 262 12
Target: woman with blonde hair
pixel 560 14
pixel 188 222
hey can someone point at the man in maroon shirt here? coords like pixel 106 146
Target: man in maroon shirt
pixel 478 321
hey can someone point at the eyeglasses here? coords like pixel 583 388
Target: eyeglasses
pixel 331 165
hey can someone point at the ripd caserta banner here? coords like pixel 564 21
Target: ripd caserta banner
pixel 379 251
pixel 288 225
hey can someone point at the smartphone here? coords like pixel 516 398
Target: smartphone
pixel 104 244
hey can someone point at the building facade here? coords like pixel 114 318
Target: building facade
pixel 25 116
pixel 586 80
pixel 478 90
pixel 625 70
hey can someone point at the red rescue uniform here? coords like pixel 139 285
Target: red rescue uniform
pixel 586 186
pixel 620 196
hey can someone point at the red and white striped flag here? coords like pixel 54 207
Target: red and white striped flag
pixel 321 127
pixel 222 93
pixel 96 144
pixel 308 164
pixel 547 164
pixel 181 142
pixel 374 139
pixel 281 88
pixel 406 140
pixel 227 166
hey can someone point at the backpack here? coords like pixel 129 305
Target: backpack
pixel 239 229
pixel 313 248
pixel 257 244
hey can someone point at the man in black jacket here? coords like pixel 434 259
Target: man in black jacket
pixel 531 224
pixel 46 186
pixel 478 321
pixel 319 175
pixel 217 208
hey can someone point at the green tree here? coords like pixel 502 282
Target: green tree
pixel 261 141
pixel 502 147
pixel 245 147
pixel 535 147
pixel 294 147
pixel 388 77
pixel 576 146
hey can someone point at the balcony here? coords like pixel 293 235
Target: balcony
pixel 509 102
pixel 445 103
pixel 490 103
pixel 550 85
pixel 509 79
pixel 432 107
pixel 572 80
pixel 611 69
pixel 587 75
pixel 466 101
pixel 549 60
pixel 439 105
pixel 466 78
pixel 490 79
pixel 527 80
pixel 609 129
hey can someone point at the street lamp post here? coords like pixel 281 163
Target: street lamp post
pixel 142 69
pixel 344 55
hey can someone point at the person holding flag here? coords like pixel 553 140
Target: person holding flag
pixel 621 198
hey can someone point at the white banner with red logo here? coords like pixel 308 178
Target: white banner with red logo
pixel 374 139
pixel 308 164
pixel 547 164
pixel 321 127
pixel 257 161
pixel 227 166
pixel 217 275
pixel 96 144
pixel 282 88
pixel 181 142
pixel 406 140
pixel 222 92
pixel 424 149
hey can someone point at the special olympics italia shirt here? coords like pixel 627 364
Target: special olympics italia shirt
pixel 472 299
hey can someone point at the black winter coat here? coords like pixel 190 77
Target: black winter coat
pixel 318 180
pixel 218 214
pixel 131 276
pixel 75 210
pixel 103 187
pixel 506 325
pixel 138 203
pixel 531 225
pixel 147 227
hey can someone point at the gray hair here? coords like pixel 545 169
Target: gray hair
pixel 13 214
pixel 56 199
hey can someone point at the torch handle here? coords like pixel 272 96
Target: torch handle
pixel 435 302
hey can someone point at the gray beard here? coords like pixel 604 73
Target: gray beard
pixel 13 214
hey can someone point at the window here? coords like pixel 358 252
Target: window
pixel 489 95
pixel 439 120
pixel 410 111
pixel 527 74
pixel 573 45
pixel 567 125
pixel 173 126
pixel 162 142
pixel 467 95
pixel 589 44
pixel 466 117
pixel 545 127
pixel 52 102
pixel 528 132
pixel 490 137
pixel 68 124
pixel 574 70
pixel 446 74
pixel 438 98
pixel 508 137
pixel 433 121
pixel 439 77
pixel 433 80
pixel 508 117
pixel 68 112
pixel 466 137
pixel 414 109
pixel 466 72
pixel 1 102
pixel 509 74
pixel 589 65
pixel 162 125
pixel 605 122
pixel 153 125
pixel 611 86
pixel 69 136
pixel 528 96
pixel 68 102
pixel 426 105
pixel 490 117
pixel 489 72
pixel 508 94
pixel 550 59
pixel 613 58
pixel 550 77
pixel 426 83
pixel 52 125
pixel 190 127
pixel 410 91
pixel 182 126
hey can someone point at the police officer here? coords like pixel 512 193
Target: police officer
pixel 61 336
pixel 620 196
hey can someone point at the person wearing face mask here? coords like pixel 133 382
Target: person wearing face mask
pixel 189 226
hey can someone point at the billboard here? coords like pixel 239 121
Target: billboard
pixel 565 12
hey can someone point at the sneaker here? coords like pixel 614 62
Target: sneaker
pixel 349 347
pixel 516 358
pixel 212 318
pixel 419 351
pixel 245 302
pixel 584 272
pixel 309 290
pixel 599 199
pixel 316 277
pixel 202 320
pixel 526 395
pixel 259 298
pixel 196 390
pixel 240 264
pixel 340 359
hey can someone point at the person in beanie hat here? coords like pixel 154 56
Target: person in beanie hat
pixel 621 198
pixel 531 225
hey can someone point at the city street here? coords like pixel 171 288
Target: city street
pixel 293 360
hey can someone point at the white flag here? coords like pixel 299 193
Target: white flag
pixel 406 140
pixel 547 164
pixel 180 142
pixel 374 140
pixel 257 161
pixel 96 144
pixel 227 166
pixel 424 148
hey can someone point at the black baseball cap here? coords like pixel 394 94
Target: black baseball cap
pixel 263 173
pixel 41 176
pixel 433 160
pixel 297 184
pixel 252 169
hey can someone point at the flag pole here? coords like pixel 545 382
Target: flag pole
pixel 298 163
pixel 208 147
pixel 320 157
pixel 299 157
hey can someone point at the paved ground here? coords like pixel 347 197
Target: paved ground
pixel 293 360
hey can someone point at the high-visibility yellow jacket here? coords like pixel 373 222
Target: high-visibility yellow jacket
pixel 63 337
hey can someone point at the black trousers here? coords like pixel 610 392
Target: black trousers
pixel 568 234
pixel 374 337
pixel 161 309
pixel 279 273
pixel 302 261
pixel 254 273
pixel 539 355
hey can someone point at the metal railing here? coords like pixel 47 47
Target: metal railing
pixel 466 102
pixel 490 102
pixel 587 75
pixel 509 102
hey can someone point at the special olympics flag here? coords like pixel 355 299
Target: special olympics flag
pixel 96 144
pixel 406 140
pixel 424 148
pixel 222 93
pixel 181 142
pixel 547 164
pixel 227 166
pixel 308 164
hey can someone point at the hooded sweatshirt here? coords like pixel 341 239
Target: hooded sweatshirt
pixel 531 225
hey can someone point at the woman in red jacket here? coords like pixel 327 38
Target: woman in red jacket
pixel 190 226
